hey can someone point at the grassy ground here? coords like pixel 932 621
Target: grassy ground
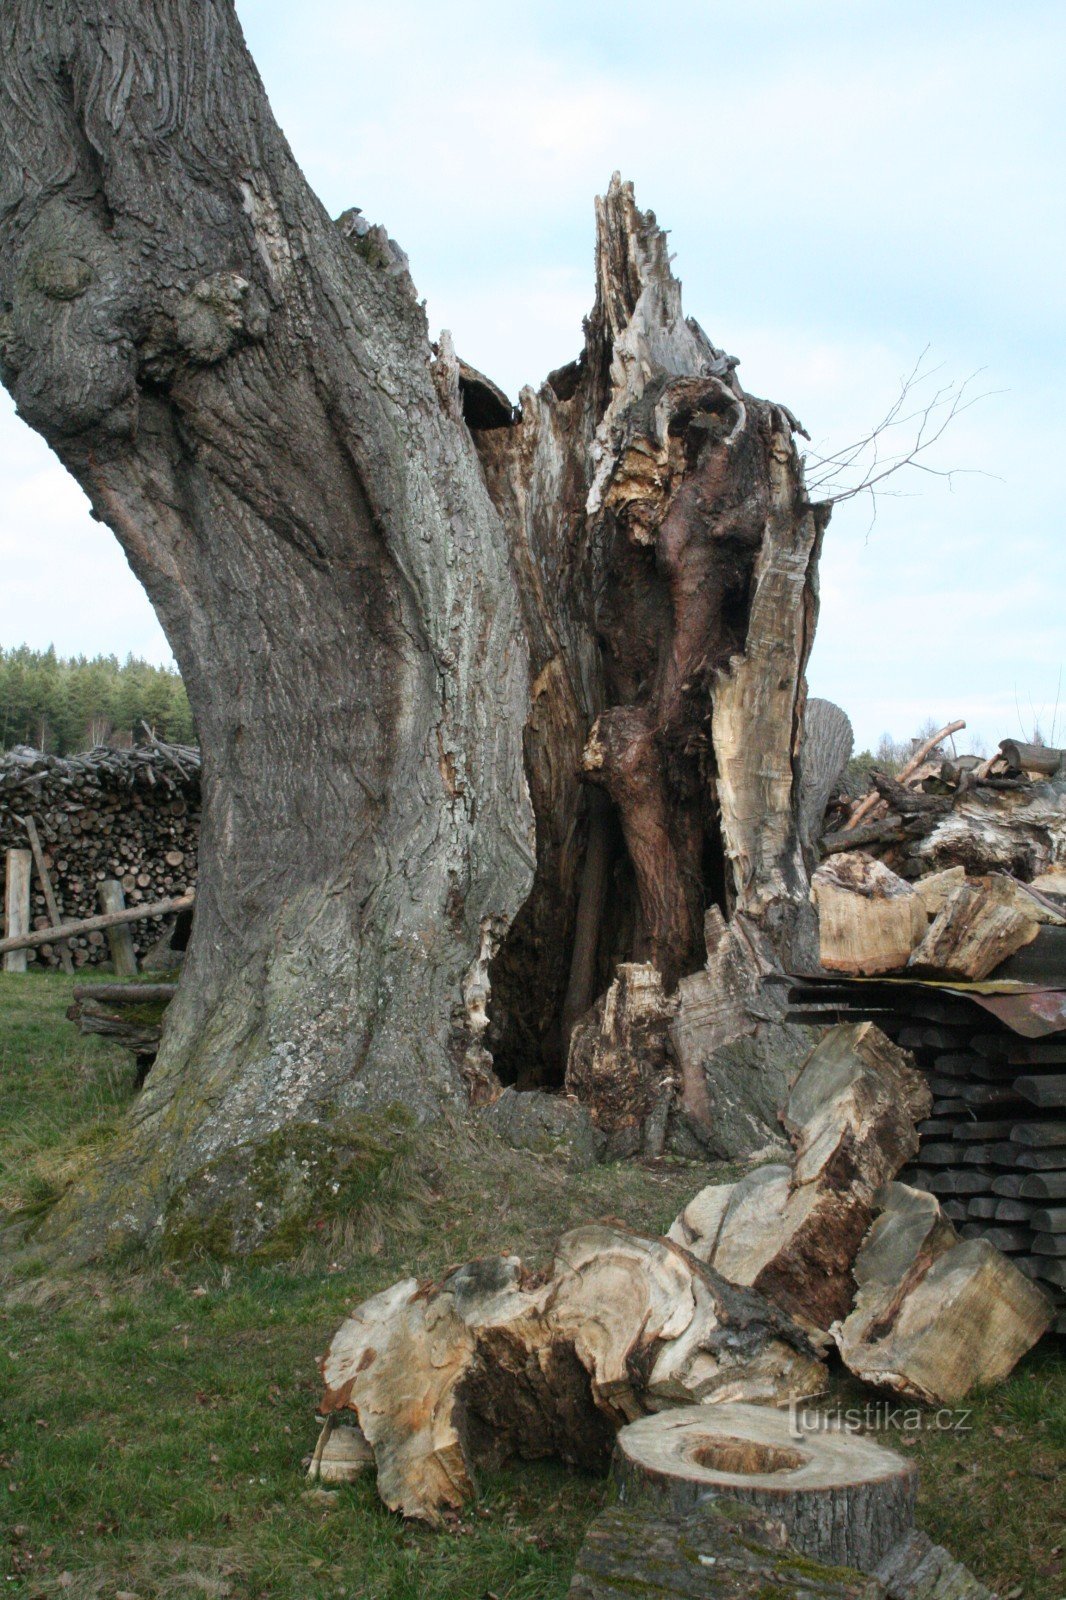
pixel 154 1422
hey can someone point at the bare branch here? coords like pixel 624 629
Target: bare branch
pixel 914 422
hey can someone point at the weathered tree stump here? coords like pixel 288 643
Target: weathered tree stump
pixel 842 1498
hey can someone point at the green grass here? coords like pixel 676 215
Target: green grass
pixel 154 1422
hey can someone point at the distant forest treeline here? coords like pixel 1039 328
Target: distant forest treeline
pixel 62 704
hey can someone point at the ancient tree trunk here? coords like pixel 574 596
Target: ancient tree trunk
pixel 486 705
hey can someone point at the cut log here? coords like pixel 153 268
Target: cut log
pixel 843 1499
pixel 495 1362
pixel 869 920
pixel 794 1234
pixel 971 935
pixel 619 1057
pixel 723 1551
pixel 1050 1219
pixel 1017 831
pixel 1043 760
pixel 341 1455
pixel 1039 1135
pixel 934 1317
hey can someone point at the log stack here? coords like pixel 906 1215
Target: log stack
pixel 131 815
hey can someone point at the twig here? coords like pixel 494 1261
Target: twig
pixel 866 806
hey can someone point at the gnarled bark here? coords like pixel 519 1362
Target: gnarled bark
pixel 409 623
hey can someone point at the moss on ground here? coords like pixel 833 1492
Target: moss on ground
pixel 154 1418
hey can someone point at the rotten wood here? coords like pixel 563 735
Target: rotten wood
pixel 869 920
pixel 972 934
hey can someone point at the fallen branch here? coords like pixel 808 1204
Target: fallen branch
pixel 70 930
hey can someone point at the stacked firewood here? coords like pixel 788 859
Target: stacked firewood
pixel 131 815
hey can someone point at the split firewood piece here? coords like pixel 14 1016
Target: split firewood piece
pixel 842 1498
pixel 723 1551
pixel 793 1235
pixel 619 1056
pixel 935 1317
pixel 935 890
pixel 972 934
pixel 869 920
pixel 1007 891
pixel 494 1362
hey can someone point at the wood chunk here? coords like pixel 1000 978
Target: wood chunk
pixel 1049 1244
pixel 935 1318
pixel 793 1235
pixel 842 1498
pixel 972 934
pixel 495 1362
pixel 618 1056
pixel 869 919
pixel 937 888
pixel 1050 1219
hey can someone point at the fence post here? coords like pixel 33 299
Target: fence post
pixel 123 955
pixel 17 905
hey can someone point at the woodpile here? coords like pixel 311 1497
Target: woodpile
pixel 127 815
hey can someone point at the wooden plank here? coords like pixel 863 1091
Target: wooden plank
pixel 1009 1240
pixel 65 958
pixel 1049 1091
pixel 68 930
pixel 1039 1135
pixel 978 1132
pixel 119 937
pixel 1041 1186
pixel 16 909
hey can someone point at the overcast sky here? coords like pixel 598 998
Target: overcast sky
pixel 846 183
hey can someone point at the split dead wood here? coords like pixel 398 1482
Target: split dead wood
pixel 793 1234
pixel 495 1361
pixel 843 1499
pixel 619 1059
pixel 869 920
pixel 975 930
pixel 935 1316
